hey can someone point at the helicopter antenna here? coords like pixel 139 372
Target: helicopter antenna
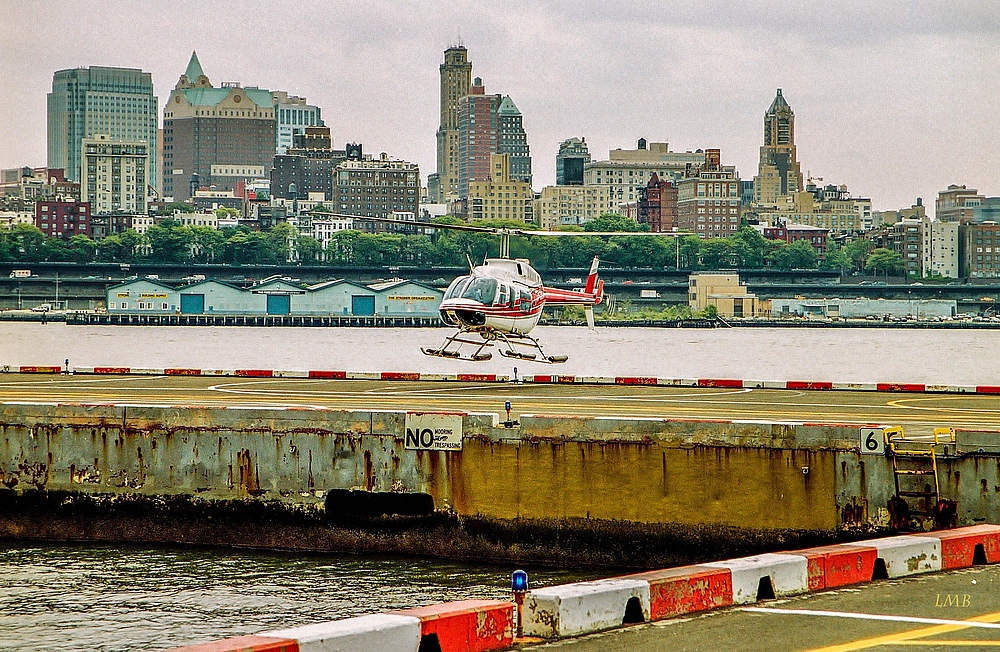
pixel 471 266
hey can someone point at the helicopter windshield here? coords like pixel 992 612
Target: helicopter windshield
pixel 483 290
pixel 457 287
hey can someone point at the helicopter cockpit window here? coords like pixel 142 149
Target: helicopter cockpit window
pixel 457 287
pixel 483 290
pixel 502 294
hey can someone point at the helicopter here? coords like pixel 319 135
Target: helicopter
pixel 501 300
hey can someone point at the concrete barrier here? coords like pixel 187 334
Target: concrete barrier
pixel 766 576
pixel 384 632
pixel 838 565
pixel 465 626
pixel 809 385
pixel 734 383
pixel 904 555
pixel 585 607
pixel 252 643
pixel 38 369
pixel 900 387
pixel 963 547
pixel 687 589
pixel 331 375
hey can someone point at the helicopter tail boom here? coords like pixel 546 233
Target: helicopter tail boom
pixel 591 295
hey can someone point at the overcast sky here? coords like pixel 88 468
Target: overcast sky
pixel 895 99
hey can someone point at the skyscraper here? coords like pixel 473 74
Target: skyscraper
pixel 512 140
pixel 115 175
pixel 778 173
pixel 456 77
pixel 85 102
pixel 293 115
pixel 215 136
pixel 477 136
pixel 501 197
pixel 573 154
pixel 708 199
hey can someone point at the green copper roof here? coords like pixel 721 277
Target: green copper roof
pixel 194 70
pixel 213 96
pixel 507 107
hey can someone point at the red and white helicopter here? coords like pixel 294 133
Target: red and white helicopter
pixel 502 300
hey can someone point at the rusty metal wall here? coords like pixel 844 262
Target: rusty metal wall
pixel 752 474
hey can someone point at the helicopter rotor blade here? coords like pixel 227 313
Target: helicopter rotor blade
pixel 501 230
pixel 603 234
pixel 413 224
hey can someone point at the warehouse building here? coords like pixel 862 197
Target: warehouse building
pixel 147 296
pixel 860 308
pixel 397 298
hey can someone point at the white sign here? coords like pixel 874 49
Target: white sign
pixel 872 441
pixel 430 431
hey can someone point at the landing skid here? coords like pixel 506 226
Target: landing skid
pixel 452 348
pixel 533 353
pixel 509 345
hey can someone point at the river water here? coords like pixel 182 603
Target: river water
pixel 106 598
pixel 936 356
pixel 73 597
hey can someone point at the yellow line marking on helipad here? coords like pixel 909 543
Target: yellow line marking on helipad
pixel 904 637
pixel 905 403
pixel 864 616
pixel 942 643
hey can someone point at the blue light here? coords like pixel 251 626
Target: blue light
pixel 506 406
pixel 519 581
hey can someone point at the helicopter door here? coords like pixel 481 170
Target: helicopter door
pixel 525 301
pixel 502 294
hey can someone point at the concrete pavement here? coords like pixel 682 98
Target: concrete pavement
pixel 920 413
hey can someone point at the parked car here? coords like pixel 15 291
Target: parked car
pixel 42 307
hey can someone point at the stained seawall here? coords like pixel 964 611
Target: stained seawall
pixel 754 484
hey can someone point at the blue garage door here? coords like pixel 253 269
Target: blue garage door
pixel 361 305
pixel 192 304
pixel 279 304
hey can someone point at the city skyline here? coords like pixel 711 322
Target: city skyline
pixel 892 100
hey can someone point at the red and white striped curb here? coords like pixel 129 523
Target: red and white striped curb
pixel 466 626
pixel 585 607
pixel 723 383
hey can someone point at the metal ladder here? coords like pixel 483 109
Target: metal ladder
pixel 911 463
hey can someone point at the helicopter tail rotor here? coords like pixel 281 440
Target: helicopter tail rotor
pixel 592 277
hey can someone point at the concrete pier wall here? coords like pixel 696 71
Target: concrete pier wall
pixel 644 471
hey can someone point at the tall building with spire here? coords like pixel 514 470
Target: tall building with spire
pixel 215 136
pixel 778 172
pixel 115 102
pixel 456 80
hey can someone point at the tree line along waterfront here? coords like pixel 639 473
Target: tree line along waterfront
pixel 170 241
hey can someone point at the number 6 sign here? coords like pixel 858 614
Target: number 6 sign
pixel 872 441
